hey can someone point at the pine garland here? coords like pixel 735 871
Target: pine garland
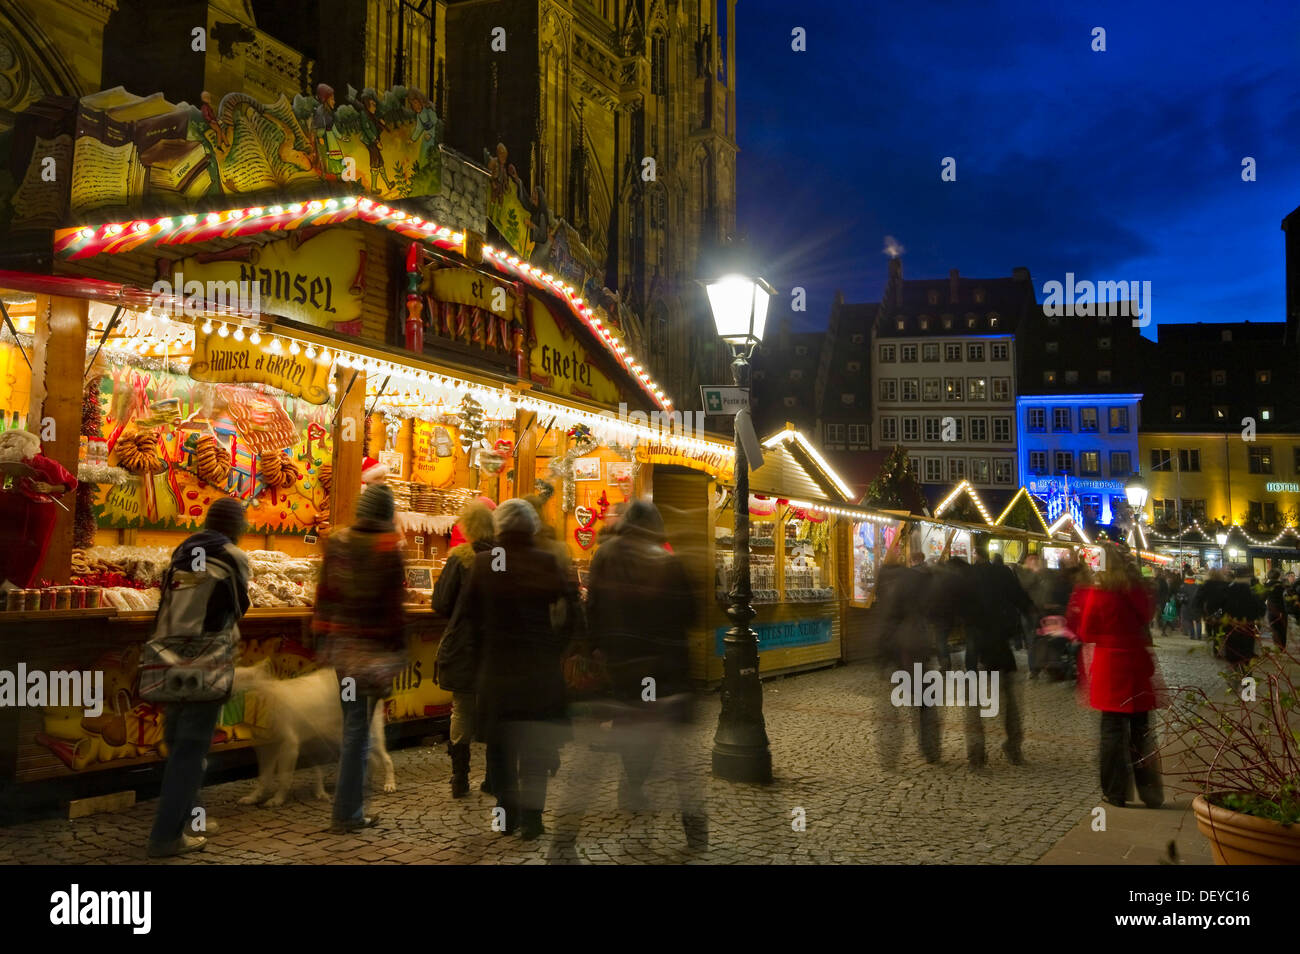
pixel 92 425
pixel 895 487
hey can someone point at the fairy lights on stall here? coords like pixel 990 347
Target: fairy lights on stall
pixel 86 241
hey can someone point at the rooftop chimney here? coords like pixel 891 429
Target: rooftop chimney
pixel 952 286
pixel 895 293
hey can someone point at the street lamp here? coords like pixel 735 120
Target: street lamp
pixel 1221 538
pixel 1136 492
pixel 740 748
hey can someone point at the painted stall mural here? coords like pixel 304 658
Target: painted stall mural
pixel 187 443
pixel 128 151
pixel 130 728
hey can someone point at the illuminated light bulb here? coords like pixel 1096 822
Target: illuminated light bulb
pixel 212 218
pixel 255 338
pixel 343 361
pixel 223 331
pixel 350 201
pixel 275 346
pixel 255 211
pixel 165 224
pixel 239 334
pixel 398 214
pixel 295 208
pixel 457 237
pixel 159 348
pixel 207 327
pixel 311 353
pixel 276 210
pixel 112 229
pixel 334 388
pixel 141 226
pixel 293 347
pixel 383 210
pixel 234 215
pixel 364 203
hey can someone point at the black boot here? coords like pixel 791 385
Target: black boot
pixel 459 769
pixel 697 832
pixel 512 816
pixel 530 825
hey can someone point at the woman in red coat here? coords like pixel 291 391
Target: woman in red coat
pixel 1111 617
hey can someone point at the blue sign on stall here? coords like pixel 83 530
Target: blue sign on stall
pixel 798 632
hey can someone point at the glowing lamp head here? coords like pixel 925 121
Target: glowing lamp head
pixel 739 305
pixel 1136 492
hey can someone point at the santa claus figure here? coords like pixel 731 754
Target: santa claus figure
pixel 31 485
pixel 372 471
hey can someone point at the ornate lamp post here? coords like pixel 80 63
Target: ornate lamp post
pixel 740 749
pixel 1136 492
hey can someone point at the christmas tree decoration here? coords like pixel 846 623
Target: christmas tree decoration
pixel 472 428
pixel 896 487
pixel 562 467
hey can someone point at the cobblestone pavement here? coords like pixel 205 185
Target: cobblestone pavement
pixel 826 730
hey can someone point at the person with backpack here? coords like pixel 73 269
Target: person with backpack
pixel 205 594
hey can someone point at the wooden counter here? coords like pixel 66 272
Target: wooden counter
pixel 49 743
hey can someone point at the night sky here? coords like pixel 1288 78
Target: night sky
pixel 1117 165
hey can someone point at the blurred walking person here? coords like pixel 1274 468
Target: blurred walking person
pixel 912 611
pixel 1275 607
pixel 640 607
pixel 361 624
pixel 1000 601
pixel 211 601
pixel 520 687
pixel 457 665
pixel 1240 609
pixel 1112 616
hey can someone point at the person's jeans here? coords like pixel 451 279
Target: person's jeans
pixel 1128 744
pixel 187 731
pixel 350 790
pixel 462 717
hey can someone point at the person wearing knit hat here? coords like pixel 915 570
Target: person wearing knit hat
pixel 522 704
pixel 457 662
pixel 188 726
pixel 360 621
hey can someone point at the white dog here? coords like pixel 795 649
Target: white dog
pixel 302 709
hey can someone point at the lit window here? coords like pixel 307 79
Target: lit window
pixel 1049 377
pixel 1119 420
pixel 1087 420
pixel 979 470
pixel 976 389
pixel 1266 414
pixel 1178 412
pixel 1002 471
pixel 1090 463
pixel 952 389
pixel 1263 377
pixel 931 388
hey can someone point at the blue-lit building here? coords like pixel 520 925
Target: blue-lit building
pixel 1078 409
pixel 1088 441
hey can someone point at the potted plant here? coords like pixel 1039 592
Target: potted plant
pixel 1240 757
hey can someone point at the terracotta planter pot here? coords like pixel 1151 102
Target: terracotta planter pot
pixel 1239 839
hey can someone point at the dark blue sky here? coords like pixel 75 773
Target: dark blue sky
pixel 1117 165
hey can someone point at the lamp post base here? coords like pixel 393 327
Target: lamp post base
pixel 742 763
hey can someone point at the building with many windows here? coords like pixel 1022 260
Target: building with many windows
pixel 1221 428
pixel 943 372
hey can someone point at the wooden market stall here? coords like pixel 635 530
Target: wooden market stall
pixel 279 345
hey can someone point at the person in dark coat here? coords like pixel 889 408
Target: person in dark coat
pixel 999 603
pixel 1241 608
pixel 1113 616
pixel 910 617
pixel 520 686
pixel 1275 606
pixel 640 607
pixel 188 726
pixel 457 667
pixel 360 620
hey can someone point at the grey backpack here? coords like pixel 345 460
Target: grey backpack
pixel 182 662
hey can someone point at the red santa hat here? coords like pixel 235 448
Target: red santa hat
pixel 372 471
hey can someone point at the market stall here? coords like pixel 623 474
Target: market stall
pixel 283 353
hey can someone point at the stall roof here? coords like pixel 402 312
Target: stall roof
pixel 246 222
pixel 793 466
